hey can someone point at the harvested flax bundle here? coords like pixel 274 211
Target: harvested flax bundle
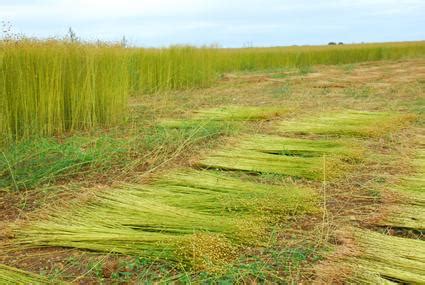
pixel 260 162
pixel 228 114
pixel 348 123
pixel 215 192
pixel 407 217
pixel 120 221
pixel 156 220
pixel 301 147
pixel 240 113
pixel 391 258
pixel 414 186
pixel 11 275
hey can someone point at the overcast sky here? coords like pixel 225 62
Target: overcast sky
pixel 230 23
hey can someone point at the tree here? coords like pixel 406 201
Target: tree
pixel 124 41
pixel 72 35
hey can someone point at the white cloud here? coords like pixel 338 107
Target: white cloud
pixel 229 22
pixel 99 9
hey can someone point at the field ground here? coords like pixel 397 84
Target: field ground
pixel 290 176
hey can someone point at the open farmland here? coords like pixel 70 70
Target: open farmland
pixel 208 165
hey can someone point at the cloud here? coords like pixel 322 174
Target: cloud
pixel 98 9
pixel 229 22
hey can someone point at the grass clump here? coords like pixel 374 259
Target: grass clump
pixel 90 158
pixel 41 161
pixel 11 275
pixel 348 123
pixel 396 259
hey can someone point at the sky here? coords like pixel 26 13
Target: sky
pixel 228 23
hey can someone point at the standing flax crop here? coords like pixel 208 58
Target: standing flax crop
pixel 52 87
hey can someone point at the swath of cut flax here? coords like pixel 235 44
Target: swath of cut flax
pixel 413 187
pixel 406 217
pixel 240 113
pixel 348 123
pixel 214 192
pixel 391 258
pixel 301 147
pixel 228 114
pixel 156 219
pixel 300 158
pixel 11 275
pixel 411 213
pixel 259 162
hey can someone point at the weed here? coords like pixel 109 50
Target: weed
pixel 282 92
pixel 364 92
pixel 304 70
pixel 348 68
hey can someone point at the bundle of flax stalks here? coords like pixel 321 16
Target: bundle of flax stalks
pixel 389 259
pixel 11 275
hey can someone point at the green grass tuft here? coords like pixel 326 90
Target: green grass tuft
pixel 42 161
